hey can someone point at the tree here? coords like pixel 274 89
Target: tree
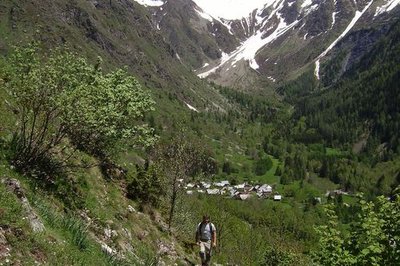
pixel 262 165
pixel 179 160
pixel 147 186
pixel 372 239
pixel 59 95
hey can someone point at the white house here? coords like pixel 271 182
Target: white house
pixel 214 191
pixel 264 189
pixel 205 185
pixel 190 185
pixel 277 197
pixel 240 186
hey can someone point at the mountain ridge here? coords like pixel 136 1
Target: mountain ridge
pixel 276 41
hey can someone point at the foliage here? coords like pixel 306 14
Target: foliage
pixel 147 186
pixel 371 239
pixel 262 165
pixel 59 95
pixel 279 257
pixel 178 161
pixel 251 232
pixel 362 106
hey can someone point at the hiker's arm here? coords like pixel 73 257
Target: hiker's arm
pixel 214 239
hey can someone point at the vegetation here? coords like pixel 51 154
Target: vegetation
pixel 62 113
pixel 370 239
pixel 60 95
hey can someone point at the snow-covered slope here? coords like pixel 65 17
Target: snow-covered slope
pixel 231 41
pixel 356 17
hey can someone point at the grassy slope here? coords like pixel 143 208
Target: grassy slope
pixel 75 212
pixel 74 238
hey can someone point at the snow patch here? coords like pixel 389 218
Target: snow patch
pixel 333 19
pixel 356 17
pixel 306 3
pixel 390 4
pixel 191 107
pixel 150 2
pixel 316 71
pixel 250 47
pixel 253 64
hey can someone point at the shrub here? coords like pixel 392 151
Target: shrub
pixel 59 95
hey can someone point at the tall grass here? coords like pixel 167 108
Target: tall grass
pixel 73 226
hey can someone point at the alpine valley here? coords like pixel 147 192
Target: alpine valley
pixel 122 122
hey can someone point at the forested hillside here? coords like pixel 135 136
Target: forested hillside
pixel 363 104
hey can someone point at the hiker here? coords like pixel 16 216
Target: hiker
pixel 206 238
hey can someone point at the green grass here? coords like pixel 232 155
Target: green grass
pixel 322 184
pixel 334 152
pixel 269 177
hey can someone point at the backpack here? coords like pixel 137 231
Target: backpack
pixel 199 229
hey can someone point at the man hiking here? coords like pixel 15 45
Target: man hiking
pixel 206 238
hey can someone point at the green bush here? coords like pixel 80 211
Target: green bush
pixel 262 166
pixel 146 187
pixel 372 238
pixel 59 95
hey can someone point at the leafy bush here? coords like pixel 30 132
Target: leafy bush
pixel 276 257
pixel 262 166
pixel 147 187
pixel 372 238
pixel 59 95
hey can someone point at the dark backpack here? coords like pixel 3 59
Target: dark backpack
pixel 201 225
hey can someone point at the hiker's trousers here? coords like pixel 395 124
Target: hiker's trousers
pixel 205 251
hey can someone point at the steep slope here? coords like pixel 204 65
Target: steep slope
pixel 121 32
pixel 363 106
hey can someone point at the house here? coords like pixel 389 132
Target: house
pixel 189 192
pixel 222 183
pixel 190 185
pixel 240 186
pixel 205 185
pixel 225 183
pixel 265 189
pixel 277 197
pixel 242 196
pixel 335 193
pixel 214 191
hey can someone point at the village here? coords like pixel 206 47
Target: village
pixel 244 191
pixel 240 191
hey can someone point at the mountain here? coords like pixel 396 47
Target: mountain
pixel 121 32
pixel 275 41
